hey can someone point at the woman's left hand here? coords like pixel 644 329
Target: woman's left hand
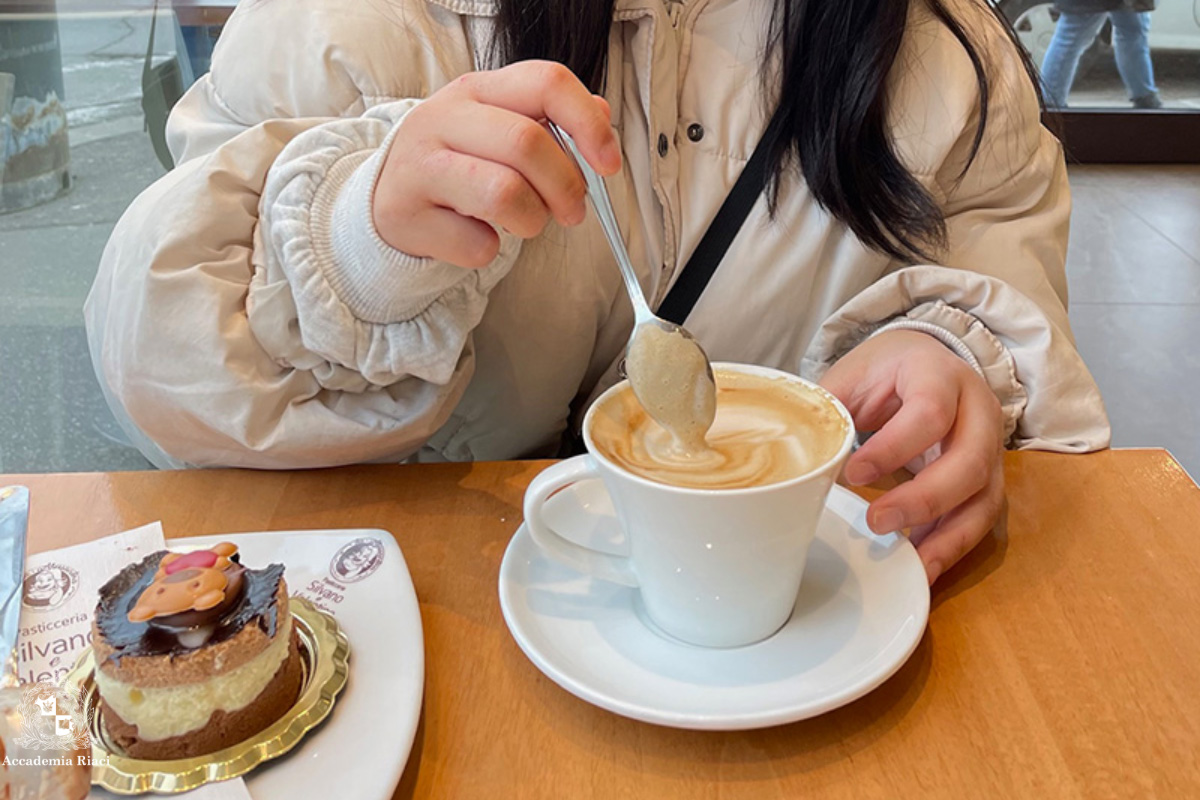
pixel 914 392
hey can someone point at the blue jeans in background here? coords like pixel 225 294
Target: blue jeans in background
pixel 1075 33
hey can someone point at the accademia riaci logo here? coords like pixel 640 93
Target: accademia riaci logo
pixel 52 718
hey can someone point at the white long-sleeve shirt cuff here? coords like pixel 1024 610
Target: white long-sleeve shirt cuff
pixel 957 345
pixel 970 339
pixel 377 282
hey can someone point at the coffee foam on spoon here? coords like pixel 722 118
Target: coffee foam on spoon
pixel 669 375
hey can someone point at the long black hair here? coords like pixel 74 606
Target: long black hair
pixel 834 60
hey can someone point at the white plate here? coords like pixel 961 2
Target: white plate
pixel 861 611
pixel 361 749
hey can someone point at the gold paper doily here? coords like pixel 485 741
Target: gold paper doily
pixel 325 655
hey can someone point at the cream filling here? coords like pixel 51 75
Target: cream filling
pixel 164 712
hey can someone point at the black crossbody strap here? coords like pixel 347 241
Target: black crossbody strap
pixel 720 234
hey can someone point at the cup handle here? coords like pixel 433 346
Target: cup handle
pixel 605 566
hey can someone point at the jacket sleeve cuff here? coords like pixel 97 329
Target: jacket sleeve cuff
pixel 1025 353
pixel 329 296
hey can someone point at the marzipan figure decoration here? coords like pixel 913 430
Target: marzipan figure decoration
pixel 188 584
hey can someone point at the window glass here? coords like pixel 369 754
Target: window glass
pixel 1131 54
pixel 76 151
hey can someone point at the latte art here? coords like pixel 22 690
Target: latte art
pixel 766 430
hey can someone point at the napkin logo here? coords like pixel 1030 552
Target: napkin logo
pixel 52 718
pixel 356 560
pixel 49 586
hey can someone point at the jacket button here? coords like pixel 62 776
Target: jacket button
pixel 695 131
pixel 662 145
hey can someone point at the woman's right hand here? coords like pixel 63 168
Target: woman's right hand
pixel 475 152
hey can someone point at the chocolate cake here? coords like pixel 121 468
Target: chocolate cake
pixel 194 653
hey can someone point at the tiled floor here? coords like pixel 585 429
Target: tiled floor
pixel 1134 270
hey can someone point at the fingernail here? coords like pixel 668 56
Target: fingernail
pixel 860 473
pixel 933 570
pixel 888 520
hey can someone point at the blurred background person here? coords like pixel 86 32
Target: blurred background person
pixel 1079 23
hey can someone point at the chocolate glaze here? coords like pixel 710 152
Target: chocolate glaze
pixel 256 605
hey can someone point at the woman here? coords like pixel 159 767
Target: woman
pixel 371 249
pixel 1079 23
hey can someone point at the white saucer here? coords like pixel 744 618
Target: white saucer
pixel 861 611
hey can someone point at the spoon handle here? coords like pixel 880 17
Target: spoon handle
pixel 598 193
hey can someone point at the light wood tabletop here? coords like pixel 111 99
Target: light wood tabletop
pixel 1062 658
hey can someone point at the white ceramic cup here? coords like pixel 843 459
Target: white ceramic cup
pixel 715 567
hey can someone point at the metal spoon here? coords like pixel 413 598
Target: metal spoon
pixel 598 194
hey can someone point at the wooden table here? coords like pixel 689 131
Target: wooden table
pixel 1062 658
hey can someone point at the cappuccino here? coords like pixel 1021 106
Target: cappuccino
pixel 766 430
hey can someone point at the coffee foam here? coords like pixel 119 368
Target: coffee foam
pixel 766 430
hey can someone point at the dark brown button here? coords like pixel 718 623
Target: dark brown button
pixel 695 131
pixel 663 144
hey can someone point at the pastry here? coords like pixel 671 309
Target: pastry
pixel 194 653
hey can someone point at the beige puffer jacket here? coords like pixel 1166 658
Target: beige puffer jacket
pixel 247 313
